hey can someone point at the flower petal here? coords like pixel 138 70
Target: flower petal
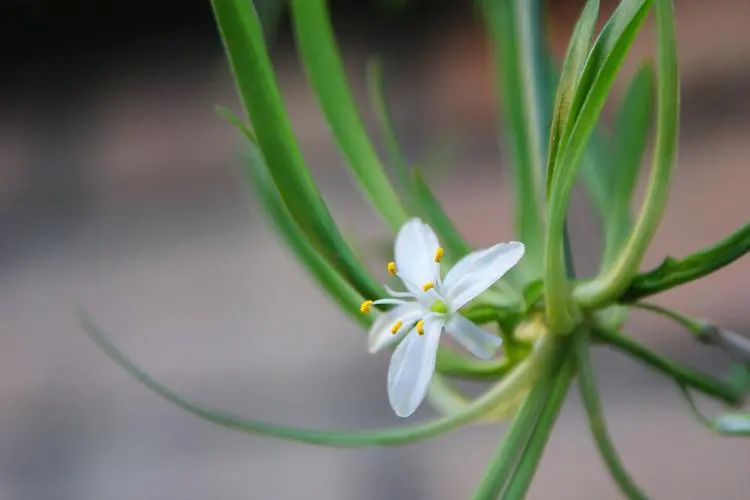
pixel 412 366
pixel 478 271
pixel 414 250
pixel 477 341
pixel 380 335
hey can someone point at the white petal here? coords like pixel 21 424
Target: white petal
pixel 412 366
pixel 388 301
pixel 415 249
pixel 478 271
pixel 380 335
pixel 480 343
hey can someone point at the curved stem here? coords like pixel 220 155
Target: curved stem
pixel 503 390
pixel 717 389
pixel 592 404
pixel 611 284
pixel 691 325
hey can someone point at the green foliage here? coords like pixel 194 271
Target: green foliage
pixel 326 73
pixel 553 130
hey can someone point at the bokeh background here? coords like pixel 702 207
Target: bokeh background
pixel 120 191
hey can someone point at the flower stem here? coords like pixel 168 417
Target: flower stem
pixel 697 329
pixel 477 409
pixel 532 452
pixel 717 389
pixel 504 464
pixel 592 404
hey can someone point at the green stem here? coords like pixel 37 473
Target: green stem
pixel 505 460
pixel 592 404
pixel 498 394
pixel 694 327
pixel 453 364
pixel 717 389
pixel 532 452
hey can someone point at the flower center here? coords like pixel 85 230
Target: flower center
pixel 439 307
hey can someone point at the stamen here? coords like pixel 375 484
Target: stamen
pixel 365 307
pixel 396 327
pixel 439 254
pixel 392 268
pixel 428 286
pixel 420 327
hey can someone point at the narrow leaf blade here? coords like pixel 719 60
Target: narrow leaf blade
pixel 325 71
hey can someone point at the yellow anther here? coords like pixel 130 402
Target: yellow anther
pixel 428 286
pixel 420 327
pixel 439 254
pixel 365 307
pixel 396 327
pixel 392 268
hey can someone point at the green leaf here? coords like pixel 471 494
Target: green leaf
pixel 346 439
pixel 326 276
pixel 673 272
pixel 610 285
pixel 525 88
pixel 593 86
pixel 568 85
pixel 594 83
pixel 256 84
pixel 611 180
pixel 325 71
pixel 593 406
pixel 632 127
pixel 533 292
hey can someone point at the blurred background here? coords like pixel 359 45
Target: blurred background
pixel 120 191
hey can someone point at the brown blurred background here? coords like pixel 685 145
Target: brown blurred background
pixel 120 191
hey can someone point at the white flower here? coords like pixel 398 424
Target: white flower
pixel 433 308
